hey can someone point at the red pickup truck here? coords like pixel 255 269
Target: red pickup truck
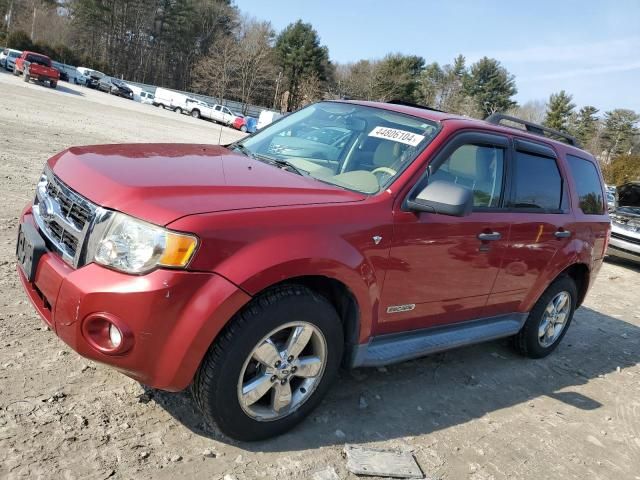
pixel 35 66
pixel 347 233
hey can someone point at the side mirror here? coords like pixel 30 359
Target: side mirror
pixel 444 198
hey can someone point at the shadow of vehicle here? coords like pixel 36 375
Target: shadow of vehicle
pixel 444 390
pixel 62 88
pixel 623 263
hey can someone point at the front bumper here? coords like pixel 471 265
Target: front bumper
pixel 624 244
pixel 173 315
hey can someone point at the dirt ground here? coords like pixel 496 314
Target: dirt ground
pixel 479 413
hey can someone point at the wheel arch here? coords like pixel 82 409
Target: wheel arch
pixel 581 275
pixel 340 297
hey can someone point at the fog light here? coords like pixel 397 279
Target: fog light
pixel 107 333
pixel 115 335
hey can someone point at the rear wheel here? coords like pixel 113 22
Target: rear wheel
pixel 53 84
pixel 178 110
pixel 195 113
pixel 549 319
pixel 271 365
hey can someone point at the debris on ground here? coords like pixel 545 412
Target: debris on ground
pixel 328 473
pixel 381 463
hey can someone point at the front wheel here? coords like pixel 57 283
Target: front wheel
pixel 53 84
pixel 549 319
pixel 271 365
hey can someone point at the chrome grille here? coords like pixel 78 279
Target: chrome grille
pixel 63 216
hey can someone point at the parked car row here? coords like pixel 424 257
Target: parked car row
pixel 165 98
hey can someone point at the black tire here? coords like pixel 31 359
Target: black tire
pixel 215 385
pixel 527 341
pixel 53 84
pixel 195 113
pixel 177 110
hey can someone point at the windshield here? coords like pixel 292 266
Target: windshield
pixel 14 54
pixel 356 147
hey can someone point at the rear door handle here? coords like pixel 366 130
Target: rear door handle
pixel 562 234
pixel 488 237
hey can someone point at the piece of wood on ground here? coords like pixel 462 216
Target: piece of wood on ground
pixel 381 463
pixel 328 473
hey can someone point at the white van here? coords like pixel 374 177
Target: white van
pixel 171 99
pixel 266 117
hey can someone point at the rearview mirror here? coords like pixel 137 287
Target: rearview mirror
pixel 444 198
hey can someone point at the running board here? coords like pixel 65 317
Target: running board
pixel 398 347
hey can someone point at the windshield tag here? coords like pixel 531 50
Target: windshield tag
pixel 395 135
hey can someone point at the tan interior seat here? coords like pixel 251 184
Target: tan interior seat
pixel 387 154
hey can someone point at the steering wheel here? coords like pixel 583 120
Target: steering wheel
pixel 389 171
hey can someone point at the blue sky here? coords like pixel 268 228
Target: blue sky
pixel 589 48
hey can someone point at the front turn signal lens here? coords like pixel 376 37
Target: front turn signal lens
pixel 178 250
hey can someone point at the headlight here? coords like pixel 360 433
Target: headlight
pixel 133 246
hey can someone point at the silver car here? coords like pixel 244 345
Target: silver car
pixel 8 58
pixel 625 223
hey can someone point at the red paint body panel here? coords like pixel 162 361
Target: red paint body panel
pixel 259 225
pixel 162 182
pixel 172 314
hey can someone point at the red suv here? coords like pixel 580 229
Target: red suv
pixel 350 233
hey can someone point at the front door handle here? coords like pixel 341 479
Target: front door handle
pixel 562 234
pixel 489 236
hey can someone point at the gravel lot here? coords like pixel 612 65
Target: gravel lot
pixel 479 413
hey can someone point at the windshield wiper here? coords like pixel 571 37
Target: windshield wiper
pixel 242 149
pixel 284 164
pixel 278 162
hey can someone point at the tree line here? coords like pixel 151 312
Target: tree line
pixel 209 47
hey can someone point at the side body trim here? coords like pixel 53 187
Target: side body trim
pixel 399 347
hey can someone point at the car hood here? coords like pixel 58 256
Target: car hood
pixel 163 182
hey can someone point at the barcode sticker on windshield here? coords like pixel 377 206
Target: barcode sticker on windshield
pixel 395 135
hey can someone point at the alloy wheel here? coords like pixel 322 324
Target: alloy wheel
pixel 554 319
pixel 282 371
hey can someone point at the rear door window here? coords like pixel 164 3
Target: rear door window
pixel 536 183
pixel 588 185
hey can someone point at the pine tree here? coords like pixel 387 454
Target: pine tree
pixel 301 55
pixel 396 77
pixel 559 111
pixel 619 132
pixel 585 125
pixel 490 86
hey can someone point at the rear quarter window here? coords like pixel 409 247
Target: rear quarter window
pixel 588 186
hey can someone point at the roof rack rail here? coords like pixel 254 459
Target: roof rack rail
pixel 497 118
pixel 414 105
